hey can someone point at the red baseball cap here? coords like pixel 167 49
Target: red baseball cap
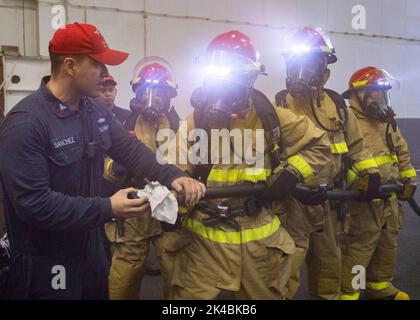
pixel 111 79
pixel 85 39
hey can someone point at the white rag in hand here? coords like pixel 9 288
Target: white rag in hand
pixel 162 202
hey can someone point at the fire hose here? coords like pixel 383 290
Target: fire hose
pixel 258 189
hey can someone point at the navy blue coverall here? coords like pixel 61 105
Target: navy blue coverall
pixel 51 161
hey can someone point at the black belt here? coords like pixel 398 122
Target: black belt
pixel 225 214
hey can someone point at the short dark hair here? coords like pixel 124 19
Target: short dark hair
pixel 57 60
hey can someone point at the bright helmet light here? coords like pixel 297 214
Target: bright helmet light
pixel 383 83
pixel 301 49
pixel 152 81
pixel 217 71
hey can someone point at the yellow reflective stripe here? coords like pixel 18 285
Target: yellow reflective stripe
pixel 302 166
pixel 233 237
pixel 339 148
pixel 223 175
pixel 409 173
pixel 351 175
pixel 380 161
pixel 237 175
pixel 376 286
pixel 364 164
pixel 372 163
pixel 326 49
pixel 359 83
pixel 353 296
pixel 108 165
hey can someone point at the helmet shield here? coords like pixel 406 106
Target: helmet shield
pixel 224 65
pixel 153 100
pixel 376 103
pixel 154 70
pixel 371 78
pixel 227 79
pixel 230 66
pixel 305 72
pixel 379 79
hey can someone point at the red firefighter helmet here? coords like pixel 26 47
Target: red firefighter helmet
pixel 234 42
pixel 370 77
pixel 308 40
pixel 231 53
pixel 154 71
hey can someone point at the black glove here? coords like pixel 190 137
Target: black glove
pixel 279 185
pixel 370 185
pixel 316 198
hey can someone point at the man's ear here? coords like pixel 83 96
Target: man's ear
pixel 326 76
pixel 69 65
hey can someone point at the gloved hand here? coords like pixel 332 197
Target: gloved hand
pixel 316 198
pixel 279 185
pixel 408 191
pixel 369 184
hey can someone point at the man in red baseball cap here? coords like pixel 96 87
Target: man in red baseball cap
pixel 78 54
pixel 52 148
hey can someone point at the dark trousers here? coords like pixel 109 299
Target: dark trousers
pixel 79 274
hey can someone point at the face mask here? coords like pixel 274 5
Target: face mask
pixel 305 74
pixel 153 102
pixel 376 104
pixel 220 101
